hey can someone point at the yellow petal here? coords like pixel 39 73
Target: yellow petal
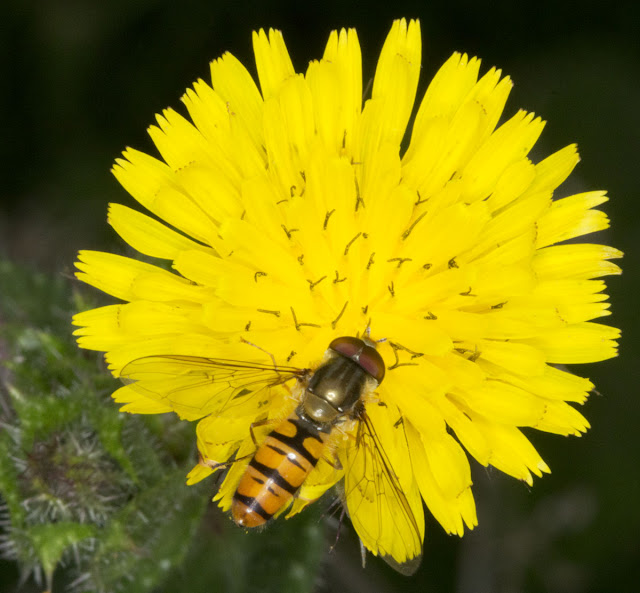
pixel 511 184
pixel 553 383
pixel 129 279
pixel 447 90
pixel 272 60
pixel 219 438
pixel 429 339
pixel 572 217
pixel 233 83
pixel 396 79
pixel 154 185
pixel 451 124
pixel 467 432
pixel 510 143
pixel 320 479
pixel 289 129
pixel 581 261
pixel 511 451
pixel 453 513
pixel 147 235
pixel 520 359
pixel 561 418
pixel 578 343
pixel 113 274
pixel 553 170
pixel 197 474
pixel 179 141
pixel 504 403
pixel 135 403
pixel 336 86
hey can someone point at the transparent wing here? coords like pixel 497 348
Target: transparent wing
pixel 195 386
pixel 377 504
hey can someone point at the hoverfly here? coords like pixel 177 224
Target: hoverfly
pixel 330 395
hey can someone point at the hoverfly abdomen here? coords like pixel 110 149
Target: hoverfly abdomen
pixel 278 469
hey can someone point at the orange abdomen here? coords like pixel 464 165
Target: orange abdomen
pixel 277 470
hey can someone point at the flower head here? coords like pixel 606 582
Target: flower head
pixel 290 216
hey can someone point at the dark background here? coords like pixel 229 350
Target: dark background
pixel 82 80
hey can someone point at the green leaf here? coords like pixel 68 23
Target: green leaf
pixel 51 540
pixel 149 537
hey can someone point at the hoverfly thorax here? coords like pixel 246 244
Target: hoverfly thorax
pixel 337 385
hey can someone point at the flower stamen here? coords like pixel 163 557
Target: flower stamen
pixel 400 260
pixel 370 262
pixel 392 289
pixel 300 324
pixel 312 284
pixel 359 199
pixel 420 200
pixel 396 347
pixel 350 243
pixel 335 321
pixel 338 279
pixel 327 216
pixel 288 232
pixel 406 234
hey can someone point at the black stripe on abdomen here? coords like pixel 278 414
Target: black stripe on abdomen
pixel 253 506
pixel 305 430
pixel 274 475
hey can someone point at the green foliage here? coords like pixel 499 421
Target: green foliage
pixel 99 497
pixel 285 557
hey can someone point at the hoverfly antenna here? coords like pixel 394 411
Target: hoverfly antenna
pixel 366 336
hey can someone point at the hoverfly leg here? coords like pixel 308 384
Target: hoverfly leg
pixel 257 424
pixel 363 554
pixel 333 462
pixel 210 463
pixel 215 465
pixel 340 520
pixel 269 354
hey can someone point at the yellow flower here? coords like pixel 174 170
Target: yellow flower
pixel 290 216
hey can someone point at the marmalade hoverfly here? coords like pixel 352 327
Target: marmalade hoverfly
pixel 329 395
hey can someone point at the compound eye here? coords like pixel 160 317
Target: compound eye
pixel 371 361
pixel 358 351
pixel 347 346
